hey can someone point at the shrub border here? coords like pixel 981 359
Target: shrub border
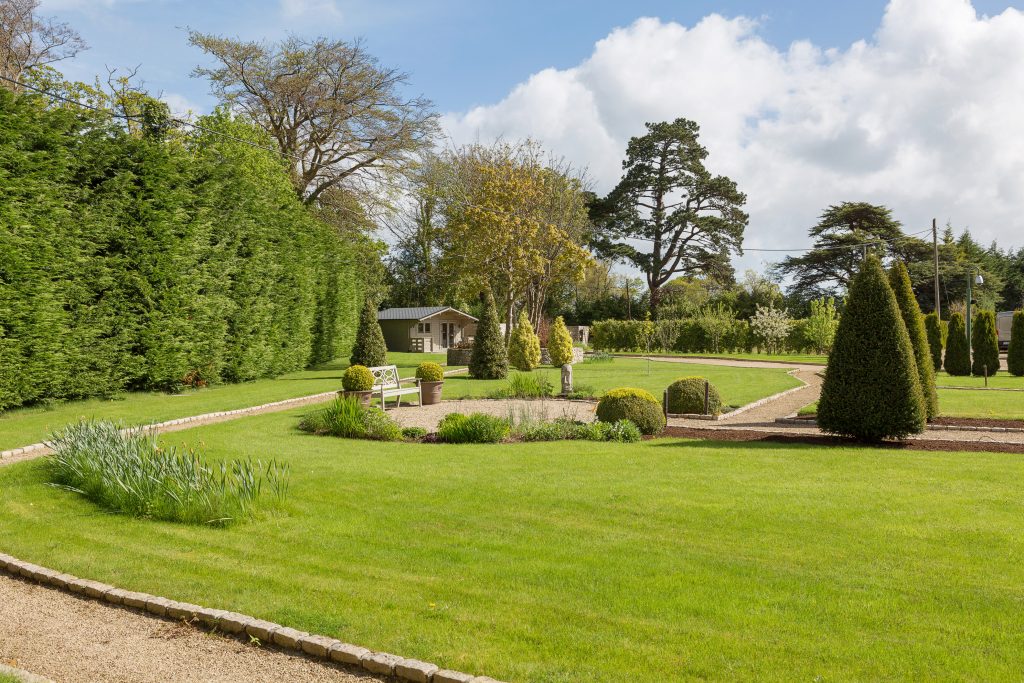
pixel 233 623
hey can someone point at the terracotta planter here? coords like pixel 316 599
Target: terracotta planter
pixel 430 392
pixel 363 396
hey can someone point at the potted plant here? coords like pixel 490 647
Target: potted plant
pixel 431 377
pixel 357 382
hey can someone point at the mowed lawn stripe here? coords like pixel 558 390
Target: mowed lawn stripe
pixel 665 560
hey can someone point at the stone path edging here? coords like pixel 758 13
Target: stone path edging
pixel 931 428
pixel 43 447
pixel 21 675
pixel 317 646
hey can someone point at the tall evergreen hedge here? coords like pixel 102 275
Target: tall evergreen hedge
pixel 958 359
pixel 872 387
pixel 149 260
pixel 369 349
pixel 933 329
pixel 984 344
pixel 1015 354
pixel 489 359
pixel 899 280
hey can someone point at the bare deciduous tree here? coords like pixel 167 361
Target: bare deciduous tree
pixel 28 41
pixel 328 104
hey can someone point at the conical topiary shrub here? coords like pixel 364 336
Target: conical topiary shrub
pixel 524 345
pixel 872 387
pixel 489 359
pixel 559 343
pixel 984 344
pixel 957 360
pixel 933 328
pixel 899 280
pixel 369 349
pixel 1015 354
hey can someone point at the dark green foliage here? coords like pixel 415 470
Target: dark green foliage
pixel 635 405
pixel 933 329
pixel 899 280
pixel 984 344
pixel 151 261
pixel 1015 355
pixel 957 361
pixel 686 395
pixel 489 359
pixel 349 419
pixel 872 387
pixel 473 428
pixel 369 349
pixel 413 433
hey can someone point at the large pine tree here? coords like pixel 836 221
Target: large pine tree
pixel 899 280
pixel 872 387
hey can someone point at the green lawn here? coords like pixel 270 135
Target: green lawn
pixel 802 358
pixel 1001 405
pixel 1003 380
pixel 23 426
pixel 665 560
pixel 738 386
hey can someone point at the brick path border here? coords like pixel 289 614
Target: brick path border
pixel 233 623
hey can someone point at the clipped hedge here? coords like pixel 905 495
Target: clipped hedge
pixel 686 395
pixel 636 405
pixel 984 344
pixel 899 280
pixel 682 336
pixel 872 387
pixel 1015 354
pixel 357 378
pixel 430 372
pixel 933 330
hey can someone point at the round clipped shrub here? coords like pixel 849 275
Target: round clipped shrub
pixel 686 395
pixel 872 387
pixel 357 378
pixel 636 405
pixel 1015 355
pixel 958 360
pixel 984 344
pixel 430 372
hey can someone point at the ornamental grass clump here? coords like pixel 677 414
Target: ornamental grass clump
pixel 636 405
pixel 128 472
pixel 473 428
pixel 526 385
pixel 348 418
pixel 872 387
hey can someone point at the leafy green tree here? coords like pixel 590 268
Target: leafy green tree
pixel 1015 354
pixel 524 346
pixel 369 349
pixel 771 327
pixel 820 327
pixel 899 280
pixel 872 387
pixel 958 359
pixel 984 344
pixel 689 220
pixel 489 359
pixel 933 329
pixel 559 343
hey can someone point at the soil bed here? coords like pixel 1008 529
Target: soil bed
pixel 821 440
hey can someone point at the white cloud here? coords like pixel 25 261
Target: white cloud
pixel 180 105
pixel 924 117
pixel 310 9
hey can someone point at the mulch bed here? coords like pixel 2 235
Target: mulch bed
pixel 821 440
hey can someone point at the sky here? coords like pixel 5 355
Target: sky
pixel 915 104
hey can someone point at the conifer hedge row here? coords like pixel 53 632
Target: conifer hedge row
pixel 156 260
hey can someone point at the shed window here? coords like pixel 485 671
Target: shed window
pixel 423 328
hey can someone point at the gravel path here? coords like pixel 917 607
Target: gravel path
pixel 428 417
pixel 69 639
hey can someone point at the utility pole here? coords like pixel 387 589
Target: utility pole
pixel 629 301
pixel 935 249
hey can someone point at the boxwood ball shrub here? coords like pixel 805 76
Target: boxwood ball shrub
pixel 958 360
pixel 872 387
pixel 984 344
pixel 686 395
pixel 899 280
pixel 369 348
pixel 1015 354
pixel 636 405
pixel 430 372
pixel 357 378
pixel 933 328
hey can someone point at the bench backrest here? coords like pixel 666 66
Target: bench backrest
pixel 385 376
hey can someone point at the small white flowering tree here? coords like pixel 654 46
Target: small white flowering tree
pixel 771 326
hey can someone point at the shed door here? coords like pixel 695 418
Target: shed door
pixel 447 335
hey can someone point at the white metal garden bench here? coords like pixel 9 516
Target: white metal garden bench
pixel 387 384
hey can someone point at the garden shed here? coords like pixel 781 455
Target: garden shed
pixel 425 329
